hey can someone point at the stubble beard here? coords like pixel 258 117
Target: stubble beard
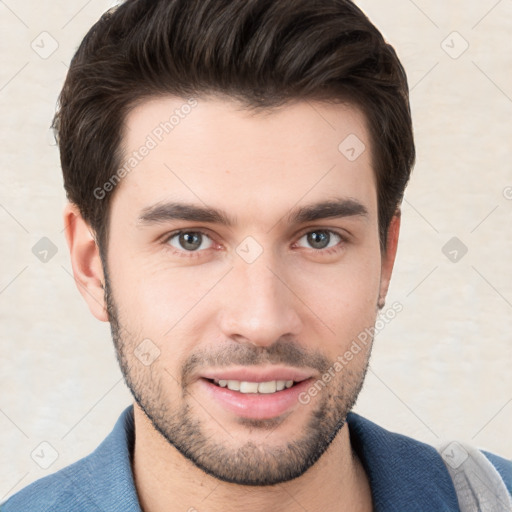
pixel 250 463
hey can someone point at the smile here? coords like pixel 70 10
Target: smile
pixel 250 399
pixel 271 386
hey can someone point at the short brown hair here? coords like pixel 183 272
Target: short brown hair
pixel 261 52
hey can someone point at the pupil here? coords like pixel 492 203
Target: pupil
pixel 318 239
pixel 190 241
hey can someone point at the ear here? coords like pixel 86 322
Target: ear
pixel 388 257
pixel 85 261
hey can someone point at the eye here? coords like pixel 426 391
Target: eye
pixel 321 239
pixel 189 241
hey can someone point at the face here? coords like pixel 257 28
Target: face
pixel 243 250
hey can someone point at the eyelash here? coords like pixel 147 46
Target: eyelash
pixel 194 254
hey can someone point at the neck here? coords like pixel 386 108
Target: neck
pixel 166 481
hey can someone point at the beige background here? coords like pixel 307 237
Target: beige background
pixel 440 369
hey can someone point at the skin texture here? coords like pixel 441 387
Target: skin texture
pixel 200 305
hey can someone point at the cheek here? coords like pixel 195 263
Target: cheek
pixel 343 296
pixel 156 300
pixel 159 302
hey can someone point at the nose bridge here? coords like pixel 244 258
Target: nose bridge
pixel 260 308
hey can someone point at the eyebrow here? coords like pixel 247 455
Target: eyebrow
pixel 335 208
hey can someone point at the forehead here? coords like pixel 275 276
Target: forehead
pixel 213 151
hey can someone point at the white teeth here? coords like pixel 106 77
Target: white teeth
pixel 248 387
pixel 234 385
pixel 267 387
pixel 255 387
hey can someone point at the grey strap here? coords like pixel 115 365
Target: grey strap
pixel 478 484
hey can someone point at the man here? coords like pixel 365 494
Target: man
pixel 234 171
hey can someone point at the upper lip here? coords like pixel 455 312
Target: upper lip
pixel 254 374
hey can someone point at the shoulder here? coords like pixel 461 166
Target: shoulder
pixel 100 482
pixel 407 471
pixel 55 492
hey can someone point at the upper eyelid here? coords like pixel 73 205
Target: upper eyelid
pixel 329 230
pixel 172 234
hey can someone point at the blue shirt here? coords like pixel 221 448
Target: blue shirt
pixel 405 475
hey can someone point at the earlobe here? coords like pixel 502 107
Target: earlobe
pixel 388 257
pixel 85 261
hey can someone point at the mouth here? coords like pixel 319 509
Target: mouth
pixel 243 386
pixel 257 398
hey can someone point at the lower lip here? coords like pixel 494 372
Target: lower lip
pixel 256 405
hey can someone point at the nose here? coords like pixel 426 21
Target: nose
pixel 259 306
